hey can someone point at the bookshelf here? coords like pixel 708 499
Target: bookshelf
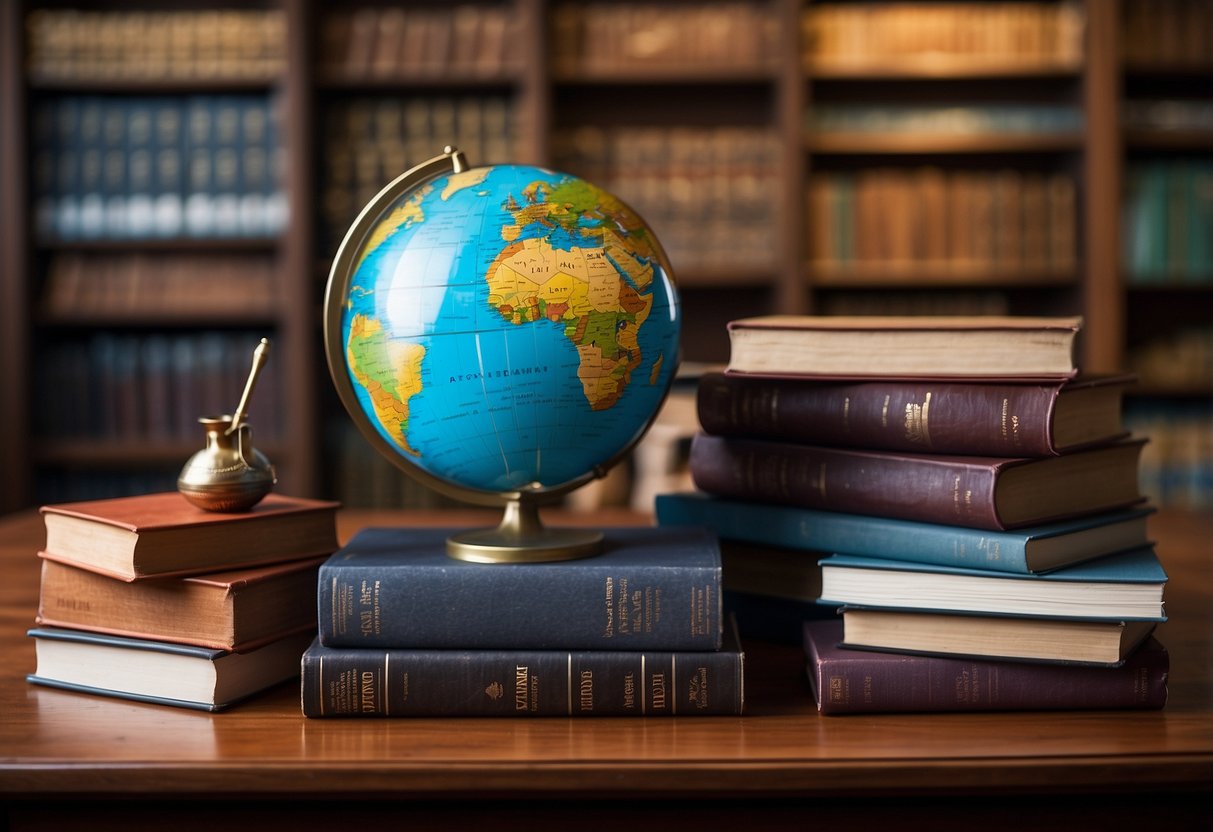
pixel 833 141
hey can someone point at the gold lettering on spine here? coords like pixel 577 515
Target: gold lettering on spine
pixel 521 687
pixel 916 425
pixel 884 413
pixel 926 419
pixel 585 690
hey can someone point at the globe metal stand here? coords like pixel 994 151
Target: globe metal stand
pixel 522 538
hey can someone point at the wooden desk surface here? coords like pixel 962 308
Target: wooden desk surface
pixel 57 744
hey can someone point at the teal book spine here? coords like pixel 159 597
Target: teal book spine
pixel 884 537
pixel 351 682
pixel 649 589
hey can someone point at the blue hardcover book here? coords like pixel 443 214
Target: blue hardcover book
pixel 160 672
pixel 650 589
pixel 404 682
pixel 1122 587
pixel 1036 549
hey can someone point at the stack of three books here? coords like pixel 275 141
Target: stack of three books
pixel 984 541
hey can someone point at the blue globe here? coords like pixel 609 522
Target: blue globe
pixel 503 328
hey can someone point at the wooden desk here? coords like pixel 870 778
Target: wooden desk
pixel 65 758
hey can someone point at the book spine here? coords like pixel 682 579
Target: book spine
pixel 931 490
pixel 849 534
pixel 978 419
pixel 591 607
pixel 401 683
pixel 873 683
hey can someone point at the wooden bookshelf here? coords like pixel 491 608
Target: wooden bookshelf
pixel 640 77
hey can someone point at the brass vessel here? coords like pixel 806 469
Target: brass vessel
pixel 229 474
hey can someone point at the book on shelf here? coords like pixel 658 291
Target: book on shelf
pixel 159 672
pixel 865 681
pixel 986 419
pixel 983 492
pixel 162 534
pixel 650 589
pixel 238 610
pixel 1125 586
pixel 1029 549
pixel 522 682
pixel 1062 640
pixel 928 346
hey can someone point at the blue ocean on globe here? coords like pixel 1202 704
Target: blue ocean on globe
pixel 509 327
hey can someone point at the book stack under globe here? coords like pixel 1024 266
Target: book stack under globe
pixel 153 599
pixel 406 630
pixel 944 511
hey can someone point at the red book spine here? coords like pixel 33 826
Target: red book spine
pixel 857 681
pixel 957 491
pixel 981 419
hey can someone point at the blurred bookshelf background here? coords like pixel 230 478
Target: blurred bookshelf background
pixel 176 179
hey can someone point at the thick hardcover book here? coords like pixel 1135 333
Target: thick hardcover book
pixel 1062 640
pixel 160 672
pixel 163 534
pixel 876 347
pixel 1127 586
pixel 650 589
pixel 863 681
pixel 985 419
pixel 389 682
pixel 1032 549
pixel 238 610
pixel 979 492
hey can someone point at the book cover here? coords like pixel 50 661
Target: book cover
pixel 1031 549
pixel 994 493
pixel 651 588
pixel 927 346
pixel 398 682
pixel 1126 587
pixel 238 610
pixel 863 681
pixel 160 672
pixel 984 419
pixel 162 534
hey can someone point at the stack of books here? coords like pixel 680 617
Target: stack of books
pixel 974 497
pixel 406 630
pixel 153 599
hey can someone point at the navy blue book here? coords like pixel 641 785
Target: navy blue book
pixel 159 672
pixel 650 589
pixel 1035 549
pixel 1123 587
pixel 399 682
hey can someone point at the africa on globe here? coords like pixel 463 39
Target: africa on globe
pixel 502 333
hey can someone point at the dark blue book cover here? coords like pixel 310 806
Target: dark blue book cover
pixel 650 589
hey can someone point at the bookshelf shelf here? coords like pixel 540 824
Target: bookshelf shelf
pixel 1193 140
pixel 932 144
pixel 926 275
pixel 941 67
pixel 686 74
pixel 457 80
pixel 151 86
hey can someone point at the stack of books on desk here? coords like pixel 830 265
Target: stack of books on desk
pixel 406 630
pixel 973 497
pixel 153 599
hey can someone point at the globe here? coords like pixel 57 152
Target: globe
pixel 504 334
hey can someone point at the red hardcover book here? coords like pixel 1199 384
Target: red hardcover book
pixel 973 491
pixel 989 419
pixel 860 681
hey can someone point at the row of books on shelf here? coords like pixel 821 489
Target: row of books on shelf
pixel 1168 214
pixel 1004 31
pixel 158 283
pixel 150 387
pixel 706 191
pixel 71 44
pixel 1177 464
pixel 1166 114
pixel 924 522
pixel 1006 218
pixel 600 36
pixel 1180 360
pixel 394 42
pixel 962 119
pixel 1167 32
pixel 140 167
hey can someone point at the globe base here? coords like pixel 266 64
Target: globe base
pixel 522 538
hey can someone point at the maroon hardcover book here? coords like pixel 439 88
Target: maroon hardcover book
pixel 994 419
pixel 860 681
pixel 972 491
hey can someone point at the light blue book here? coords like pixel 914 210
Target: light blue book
pixel 1123 587
pixel 1020 551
